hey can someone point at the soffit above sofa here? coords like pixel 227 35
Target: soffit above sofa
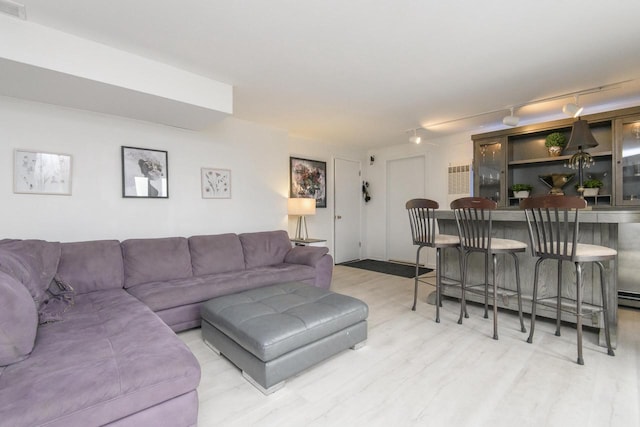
pixel 45 65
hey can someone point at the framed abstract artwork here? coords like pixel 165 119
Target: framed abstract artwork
pixel 41 173
pixel 216 183
pixel 308 179
pixel 145 173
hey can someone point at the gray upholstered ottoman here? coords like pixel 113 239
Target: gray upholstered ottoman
pixel 275 332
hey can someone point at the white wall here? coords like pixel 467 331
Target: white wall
pixel 257 156
pixel 440 154
pixel 321 224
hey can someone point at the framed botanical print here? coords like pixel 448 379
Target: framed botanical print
pixel 41 173
pixel 216 183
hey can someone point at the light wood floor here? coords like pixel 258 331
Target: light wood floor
pixel 414 371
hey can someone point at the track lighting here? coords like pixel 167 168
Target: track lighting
pixel 572 109
pixel 511 120
pixel 415 138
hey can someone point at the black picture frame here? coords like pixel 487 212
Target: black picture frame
pixel 308 178
pixel 145 173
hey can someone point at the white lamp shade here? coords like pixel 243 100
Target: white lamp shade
pixel 302 206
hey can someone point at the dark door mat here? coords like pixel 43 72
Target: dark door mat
pixel 393 268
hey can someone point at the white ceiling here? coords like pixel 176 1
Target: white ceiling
pixel 363 72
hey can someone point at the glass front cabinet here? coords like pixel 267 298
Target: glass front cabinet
pixel 489 169
pixel 519 156
pixel 628 161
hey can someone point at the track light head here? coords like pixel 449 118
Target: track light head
pixel 415 139
pixel 511 120
pixel 572 109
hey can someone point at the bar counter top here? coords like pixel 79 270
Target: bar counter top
pixel 595 215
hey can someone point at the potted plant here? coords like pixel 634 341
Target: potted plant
pixel 591 187
pixel 554 143
pixel 521 191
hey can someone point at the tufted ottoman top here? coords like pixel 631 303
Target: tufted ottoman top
pixel 271 321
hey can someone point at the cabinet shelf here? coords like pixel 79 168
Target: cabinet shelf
pixel 599 200
pixel 554 159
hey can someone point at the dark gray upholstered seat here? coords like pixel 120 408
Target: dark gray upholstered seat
pixel 274 332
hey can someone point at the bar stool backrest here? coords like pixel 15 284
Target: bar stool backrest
pixel 473 218
pixel 423 221
pixel 553 225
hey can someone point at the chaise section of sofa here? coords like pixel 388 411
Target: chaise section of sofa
pixel 107 359
pixel 110 358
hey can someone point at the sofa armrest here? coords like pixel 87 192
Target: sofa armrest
pixel 307 255
pixel 324 272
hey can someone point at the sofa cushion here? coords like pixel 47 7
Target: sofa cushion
pixel 216 254
pixel 18 320
pixel 111 357
pixel 174 293
pixel 279 273
pixel 264 248
pixel 92 266
pixel 32 262
pixel 150 260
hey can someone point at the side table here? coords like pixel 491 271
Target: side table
pixel 309 242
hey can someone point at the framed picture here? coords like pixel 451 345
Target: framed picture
pixel 41 173
pixel 216 183
pixel 308 178
pixel 145 173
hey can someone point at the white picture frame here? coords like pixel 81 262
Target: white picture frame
pixel 216 183
pixel 36 172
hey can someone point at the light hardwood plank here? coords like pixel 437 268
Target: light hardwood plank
pixel 414 371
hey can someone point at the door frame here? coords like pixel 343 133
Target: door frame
pixel 335 189
pixel 423 157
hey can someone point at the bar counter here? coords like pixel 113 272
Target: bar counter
pixel 598 226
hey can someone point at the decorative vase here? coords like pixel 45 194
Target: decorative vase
pixel 555 181
pixel 591 191
pixel 554 151
pixel 521 194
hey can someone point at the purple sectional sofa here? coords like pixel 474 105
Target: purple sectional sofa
pixel 108 354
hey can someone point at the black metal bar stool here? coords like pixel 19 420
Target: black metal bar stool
pixel 423 231
pixel 473 218
pixel 553 230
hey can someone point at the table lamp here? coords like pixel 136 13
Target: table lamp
pixel 581 138
pixel 301 207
